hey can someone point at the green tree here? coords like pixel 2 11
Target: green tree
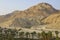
pixel 56 32
pixel 27 35
pixel 43 35
pixel 39 35
pixel 33 34
pixel 1 34
pixel 49 35
pixel 21 34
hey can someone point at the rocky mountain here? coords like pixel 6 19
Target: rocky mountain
pixel 33 16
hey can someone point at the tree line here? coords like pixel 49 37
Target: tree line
pixel 13 34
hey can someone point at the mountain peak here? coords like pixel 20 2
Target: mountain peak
pixel 45 6
pixel 42 4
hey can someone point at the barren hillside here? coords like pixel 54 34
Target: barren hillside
pixel 39 14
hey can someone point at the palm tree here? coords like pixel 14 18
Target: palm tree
pixel 27 35
pixel 21 34
pixel 1 30
pixel 5 34
pixel 49 35
pixel 8 34
pixel 13 33
pixel 1 33
pixel 39 35
pixel 33 34
pixel 43 35
pixel 56 32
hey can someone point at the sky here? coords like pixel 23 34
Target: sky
pixel 7 6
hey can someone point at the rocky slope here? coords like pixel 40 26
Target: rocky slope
pixel 52 21
pixel 54 18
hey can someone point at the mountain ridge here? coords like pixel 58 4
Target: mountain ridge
pixel 29 17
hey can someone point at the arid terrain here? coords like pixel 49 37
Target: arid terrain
pixel 42 15
pixel 39 22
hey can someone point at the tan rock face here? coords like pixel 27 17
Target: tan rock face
pixel 54 18
pixel 52 21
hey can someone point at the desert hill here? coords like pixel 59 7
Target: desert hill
pixel 33 16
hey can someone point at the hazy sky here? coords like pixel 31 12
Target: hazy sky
pixel 7 6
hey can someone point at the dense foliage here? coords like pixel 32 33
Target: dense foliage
pixel 13 34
